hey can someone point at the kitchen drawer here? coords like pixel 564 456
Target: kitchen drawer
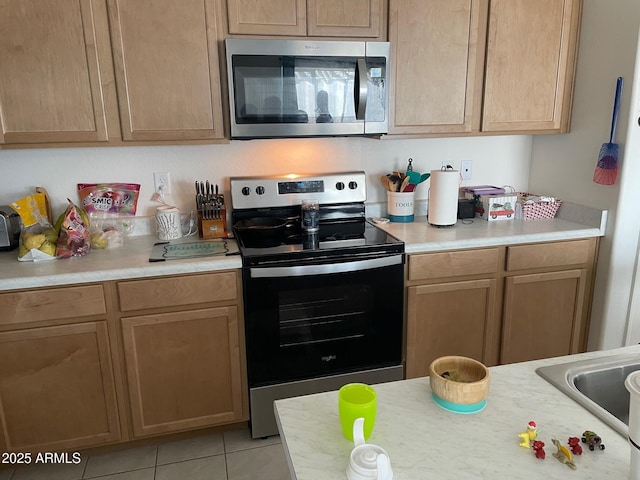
pixel 51 304
pixel 544 255
pixel 177 291
pixel 428 266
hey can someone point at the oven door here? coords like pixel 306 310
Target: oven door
pixel 316 320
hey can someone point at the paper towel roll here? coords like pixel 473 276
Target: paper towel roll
pixel 443 197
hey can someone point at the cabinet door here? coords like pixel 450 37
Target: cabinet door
pixel 267 17
pixel 437 52
pixel 531 57
pixel 166 64
pixel 56 71
pixel 56 388
pixel 183 369
pixel 337 18
pixel 449 319
pixel 542 315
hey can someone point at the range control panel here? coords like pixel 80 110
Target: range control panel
pixel 285 190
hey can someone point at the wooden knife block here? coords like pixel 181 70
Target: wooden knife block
pixel 213 228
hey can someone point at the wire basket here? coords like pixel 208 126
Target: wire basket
pixel 537 210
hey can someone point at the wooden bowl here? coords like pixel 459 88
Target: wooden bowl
pixel 459 380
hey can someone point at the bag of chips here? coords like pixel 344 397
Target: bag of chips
pixel 111 198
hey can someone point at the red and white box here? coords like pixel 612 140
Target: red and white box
pixel 497 207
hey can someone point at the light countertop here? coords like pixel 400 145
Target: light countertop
pixel 572 222
pixel 132 259
pixel 426 442
pixel 129 261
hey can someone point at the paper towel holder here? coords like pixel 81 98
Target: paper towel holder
pixel 443 197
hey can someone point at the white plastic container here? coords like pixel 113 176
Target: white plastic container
pixel 632 383
pixel 367 461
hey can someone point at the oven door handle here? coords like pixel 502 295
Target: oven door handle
pixel 306 270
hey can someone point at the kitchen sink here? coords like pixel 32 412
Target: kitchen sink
pixel 597 385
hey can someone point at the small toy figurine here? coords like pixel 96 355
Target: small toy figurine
pixel 538 448
pixel 592 440
pixel 574 443
pixel 563 454
pixel 528 436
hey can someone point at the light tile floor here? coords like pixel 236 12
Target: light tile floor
pixel 225 456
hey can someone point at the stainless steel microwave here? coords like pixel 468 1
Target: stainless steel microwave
pixel 306 88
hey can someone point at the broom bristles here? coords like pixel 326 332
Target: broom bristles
pixel 605 176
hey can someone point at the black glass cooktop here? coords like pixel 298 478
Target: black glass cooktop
pixel 329 244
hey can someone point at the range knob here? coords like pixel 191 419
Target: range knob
pixel 340 186
pixel 260 190
pixel 246 191
pixel 353 185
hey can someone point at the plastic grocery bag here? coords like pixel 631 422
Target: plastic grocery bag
pixel 74 239
pixel 38 237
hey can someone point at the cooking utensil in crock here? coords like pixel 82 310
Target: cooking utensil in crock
pixel 394 183
pixel 405 183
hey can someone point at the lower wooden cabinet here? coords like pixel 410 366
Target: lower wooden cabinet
pixel 542 315
pixel 90 365
pixel 57 388
pixel 499 305
pixel 449 318
pixel 183 369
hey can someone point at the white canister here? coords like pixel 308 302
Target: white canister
pixel 168 224
pixel 632 383
pixel 400 206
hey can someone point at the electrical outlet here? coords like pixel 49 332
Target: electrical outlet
pixel 466 169
pixel 161 183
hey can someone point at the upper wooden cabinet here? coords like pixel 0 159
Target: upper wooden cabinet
pixel 315 18
pixel 474 66
pixel 437 52
pixel 166 65
pixel 56 79
pixel 267 17
pixel 68 66
pixel 531 61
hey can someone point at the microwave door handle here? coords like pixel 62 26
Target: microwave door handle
pixel 360 89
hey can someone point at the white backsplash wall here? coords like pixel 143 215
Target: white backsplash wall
pixel 496 160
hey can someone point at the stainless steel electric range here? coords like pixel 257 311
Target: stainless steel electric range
pixel 323 307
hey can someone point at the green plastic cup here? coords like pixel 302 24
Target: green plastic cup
pixel 357 400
